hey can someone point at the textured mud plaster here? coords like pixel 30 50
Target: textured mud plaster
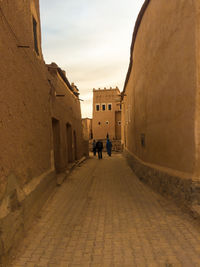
pixel 160 91
pixel 183 189
pixel 66 112
pixel 27 106
pixel 18 214
pixel 160 114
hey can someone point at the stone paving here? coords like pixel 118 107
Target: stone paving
pixel 104 216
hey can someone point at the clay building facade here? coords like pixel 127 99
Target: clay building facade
pixel 67 132
pixel 161 97
pixel 40 122
pixel 87 128
pixel 106 114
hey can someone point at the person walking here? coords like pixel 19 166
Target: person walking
pixel 99 147
pixel 94 149
pixel 109 147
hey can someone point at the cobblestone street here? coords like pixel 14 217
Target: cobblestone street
pixel 104 216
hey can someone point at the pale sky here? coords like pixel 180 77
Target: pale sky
pixel 90 40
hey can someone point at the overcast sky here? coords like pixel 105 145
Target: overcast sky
pixel 90 39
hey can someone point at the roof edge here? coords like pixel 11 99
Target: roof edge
pixel 135 32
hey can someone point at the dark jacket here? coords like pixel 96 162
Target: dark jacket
pixel 94 144
pixel 99 145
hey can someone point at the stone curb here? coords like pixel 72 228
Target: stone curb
pixel 60 178
pixel 183 192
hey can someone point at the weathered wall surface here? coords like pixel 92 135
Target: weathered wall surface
pixel 159 100
pixel 24 127
pixel 183 188
pixel 197 111
pixel 23 94
pixel 27 171
pixel 18 16
pixel 118 125
pixel 87 128
pixel 65 108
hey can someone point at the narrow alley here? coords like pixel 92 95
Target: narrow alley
pixel 103 215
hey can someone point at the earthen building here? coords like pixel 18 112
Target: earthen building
pixel 87 128
pixel 106 114
pixel 161 121
pixel 40 122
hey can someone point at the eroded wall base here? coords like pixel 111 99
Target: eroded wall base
pixel 185 190
pixel 22 214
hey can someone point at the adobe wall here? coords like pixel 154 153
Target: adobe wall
pixel 19 15
pixel 27 171
pixel 118 125
pixel 24 132
pixel 180 186
pixel 87 128
pixel 197 106
pixel 160 93
pixel 25 112
pixel 66 109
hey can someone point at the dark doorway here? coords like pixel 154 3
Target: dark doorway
pixel 56 143
pixel 75 146
pixel 69 142
pixel 118 125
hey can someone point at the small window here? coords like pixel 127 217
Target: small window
pixel 35 36
pixel 103 107
pixel 109 106
pixel 107 122
pixel 97 107
pixel 119 122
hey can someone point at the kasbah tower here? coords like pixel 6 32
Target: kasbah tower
pixel 106 114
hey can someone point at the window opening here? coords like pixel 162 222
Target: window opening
pixel 35 36
pixel 103 107
pixel 97 107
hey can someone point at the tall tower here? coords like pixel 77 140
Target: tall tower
pixel 106 113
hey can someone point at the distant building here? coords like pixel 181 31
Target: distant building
pixel 106 114
pixel 87 128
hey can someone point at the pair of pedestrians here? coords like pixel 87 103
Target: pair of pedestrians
pixel 99 147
